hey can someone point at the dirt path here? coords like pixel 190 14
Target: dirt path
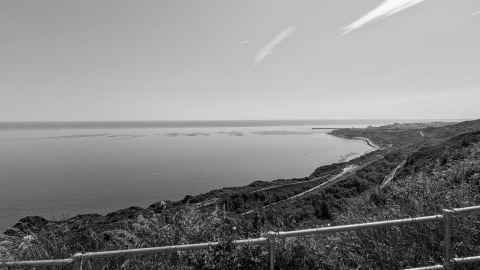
pixel 331 181
pixel 290 184
pixel 392 175
pixel 347 171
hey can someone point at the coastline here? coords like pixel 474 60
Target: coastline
pixel 351 156
pixel 348 159
pixel 336 194
pixel 368 142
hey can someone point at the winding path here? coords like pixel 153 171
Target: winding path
pixel 392 175
pixel 347 171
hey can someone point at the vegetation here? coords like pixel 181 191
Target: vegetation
pixel 438 167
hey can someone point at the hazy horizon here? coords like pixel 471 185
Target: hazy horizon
pixel 237 120
pixel 230 60
pixel 330 123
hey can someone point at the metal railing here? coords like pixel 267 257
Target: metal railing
pixel 77 260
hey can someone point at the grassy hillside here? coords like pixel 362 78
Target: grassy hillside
pixel 428 168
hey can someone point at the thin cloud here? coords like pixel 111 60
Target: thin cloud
pixel 476 13
pixel 384 10
pixel 268 49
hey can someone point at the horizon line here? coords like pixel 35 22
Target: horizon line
pixel 228 120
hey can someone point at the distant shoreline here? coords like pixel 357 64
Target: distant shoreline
pixel 323 124
pixel 368 142
pixel 352 156
pixel 322 128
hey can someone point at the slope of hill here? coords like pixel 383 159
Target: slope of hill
pixel 452 130
pixel 433 167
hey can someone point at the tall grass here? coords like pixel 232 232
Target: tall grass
pixel 452 181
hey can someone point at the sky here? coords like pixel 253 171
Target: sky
pixel 231 60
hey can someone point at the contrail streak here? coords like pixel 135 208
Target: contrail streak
pixel 270 46
pixel 384 10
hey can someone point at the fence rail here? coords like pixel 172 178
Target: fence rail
pixel 76 261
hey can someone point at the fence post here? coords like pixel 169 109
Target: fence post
pixel 77 261
pixel 272 239
pixel 447 238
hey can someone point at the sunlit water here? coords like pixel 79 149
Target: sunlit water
pixel 58 173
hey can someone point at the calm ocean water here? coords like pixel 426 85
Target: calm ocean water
pixel 58 170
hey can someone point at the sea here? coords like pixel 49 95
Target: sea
pixel 61 169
